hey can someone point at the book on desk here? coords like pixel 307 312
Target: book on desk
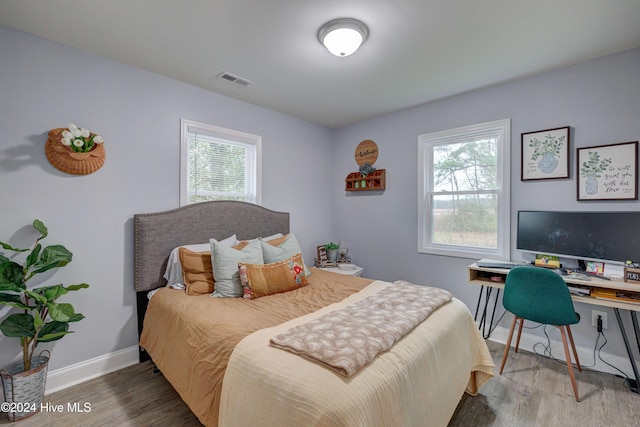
pixel 615 294
pixel 580 290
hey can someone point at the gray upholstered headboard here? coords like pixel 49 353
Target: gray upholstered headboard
pixel 156 234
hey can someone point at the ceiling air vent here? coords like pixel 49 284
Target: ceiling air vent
pixel 235 79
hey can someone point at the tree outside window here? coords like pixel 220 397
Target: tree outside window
pixel 218 164
pixel 463 202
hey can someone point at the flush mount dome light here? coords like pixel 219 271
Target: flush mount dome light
pixel 343 36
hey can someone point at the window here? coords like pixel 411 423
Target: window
pixel 463 201
pixel 218 164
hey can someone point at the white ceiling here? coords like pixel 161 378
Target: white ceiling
pixel 418 50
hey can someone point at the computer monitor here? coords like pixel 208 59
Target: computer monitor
pixel 612 237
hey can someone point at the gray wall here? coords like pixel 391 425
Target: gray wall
pixel 44 85
pixel 599 99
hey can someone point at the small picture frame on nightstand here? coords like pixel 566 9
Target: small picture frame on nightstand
pixel 322 254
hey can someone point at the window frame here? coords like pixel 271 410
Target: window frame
pixel 233 136
pixel 498 128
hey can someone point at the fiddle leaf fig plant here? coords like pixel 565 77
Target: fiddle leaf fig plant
pixel 43 318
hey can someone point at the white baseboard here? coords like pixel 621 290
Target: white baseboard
pixel 68 376
pixel 527 341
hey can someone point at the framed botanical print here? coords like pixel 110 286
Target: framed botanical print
pixel 545 154
pixel 608 172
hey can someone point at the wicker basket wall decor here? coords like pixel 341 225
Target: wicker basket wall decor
pixel 68 161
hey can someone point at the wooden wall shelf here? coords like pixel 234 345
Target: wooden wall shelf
pixel 373 181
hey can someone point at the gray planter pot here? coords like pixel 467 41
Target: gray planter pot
pixel 24 390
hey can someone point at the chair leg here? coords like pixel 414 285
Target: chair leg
pixel 573 347
pixel 519 333
pixel 569 365
pixel 508 344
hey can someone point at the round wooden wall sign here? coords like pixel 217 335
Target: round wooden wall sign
pixel 366 152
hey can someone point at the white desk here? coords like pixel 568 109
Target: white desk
pixel 483 276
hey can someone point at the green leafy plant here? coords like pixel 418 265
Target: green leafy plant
pixel 595 165
pixel 550 145
pixel 331 246
pixel 39 304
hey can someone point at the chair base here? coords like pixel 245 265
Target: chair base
pixel 565 330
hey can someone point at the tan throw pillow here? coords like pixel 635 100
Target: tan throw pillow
pixel 274 240
pixel 197 272
pixel 278 240
pixel 241 244
pixel 259 280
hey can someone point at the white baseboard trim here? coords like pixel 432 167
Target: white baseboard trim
pixel 527 341
pixel 68 376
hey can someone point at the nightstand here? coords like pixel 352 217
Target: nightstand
pixel 356 271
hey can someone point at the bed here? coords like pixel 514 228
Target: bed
pixel 218 353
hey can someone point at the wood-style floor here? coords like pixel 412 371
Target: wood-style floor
pixel 533 391
pixel 536 391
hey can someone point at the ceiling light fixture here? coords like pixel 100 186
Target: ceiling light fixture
pixel 343 36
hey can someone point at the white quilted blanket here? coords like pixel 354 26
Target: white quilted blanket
pixel 347 339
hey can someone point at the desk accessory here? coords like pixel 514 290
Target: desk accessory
pixel 631 274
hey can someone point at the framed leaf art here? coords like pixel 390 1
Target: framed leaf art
pixel 545 154
pixel 608 172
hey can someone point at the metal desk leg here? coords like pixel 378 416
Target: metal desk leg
pixel 633 384
pixel 483 319
pixel 478 304
pixel 634 320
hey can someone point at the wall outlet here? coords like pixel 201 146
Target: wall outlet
pixel 594 318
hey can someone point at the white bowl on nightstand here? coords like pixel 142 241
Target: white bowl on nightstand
pixel 347 269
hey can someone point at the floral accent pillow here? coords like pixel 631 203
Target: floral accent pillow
pixel 260 280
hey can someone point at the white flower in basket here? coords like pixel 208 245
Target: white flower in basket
pixel 80 140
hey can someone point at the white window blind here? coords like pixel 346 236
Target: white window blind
pixel 219 164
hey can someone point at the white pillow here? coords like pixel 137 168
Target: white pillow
pixel 225 259
pixel 286 249
pixel 173 272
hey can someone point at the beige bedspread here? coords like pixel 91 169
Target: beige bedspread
pixel 190 338
pixel 419 380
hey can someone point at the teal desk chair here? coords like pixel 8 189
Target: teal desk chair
pixel 540 295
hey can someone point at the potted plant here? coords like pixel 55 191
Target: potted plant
pixel 547 150
pixel 42 319
pixel 332 251
pixel 592 170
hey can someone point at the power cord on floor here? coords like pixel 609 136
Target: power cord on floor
pixel 549 355
pixel 626 377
